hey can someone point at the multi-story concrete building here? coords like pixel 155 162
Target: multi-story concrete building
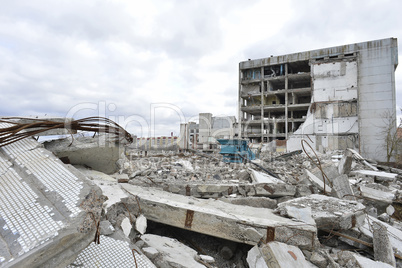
pixel 336 96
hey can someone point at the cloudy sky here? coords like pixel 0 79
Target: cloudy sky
pixel 161 62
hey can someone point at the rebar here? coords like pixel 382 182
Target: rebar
pixel 18 131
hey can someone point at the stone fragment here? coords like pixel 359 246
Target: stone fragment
pixel 126 226
pixel 150 252
pixel 318 259
pixel 106 228
pixel 207 259
pixel 141 224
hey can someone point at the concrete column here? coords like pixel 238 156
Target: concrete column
pixel 286 101
pixel 262 104
pixel 240 114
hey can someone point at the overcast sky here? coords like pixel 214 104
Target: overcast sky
pixel 160 63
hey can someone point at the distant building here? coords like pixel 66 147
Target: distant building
pixel 204 135
pixel 334 97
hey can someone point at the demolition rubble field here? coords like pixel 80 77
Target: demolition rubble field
pixel 191 209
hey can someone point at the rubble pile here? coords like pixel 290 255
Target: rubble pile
pixel 360 199
pixel 190 209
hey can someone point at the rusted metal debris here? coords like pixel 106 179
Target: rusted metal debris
pixel 18 131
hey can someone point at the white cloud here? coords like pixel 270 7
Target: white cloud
pixel 60 55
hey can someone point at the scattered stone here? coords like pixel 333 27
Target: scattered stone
pixel 141 224
pixel 106 228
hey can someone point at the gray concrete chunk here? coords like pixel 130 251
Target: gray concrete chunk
pixel 221 219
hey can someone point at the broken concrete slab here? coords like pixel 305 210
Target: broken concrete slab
pixel 111 253
pixel 259 177
pixel 258 202
pixel 356 260
pixel 377 195
pixel 44 208
pixel 394 235
pixel 318 182
pixel 213 217
pixel 172 252
pixel 98 153
pixel 329 212
pixel 107 184
pixel 382 246
pixel 276 254
pixel 345 164
pixel 274 189
pixel 379 176
pixel 342 189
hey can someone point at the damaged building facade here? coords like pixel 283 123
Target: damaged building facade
pixel 336 97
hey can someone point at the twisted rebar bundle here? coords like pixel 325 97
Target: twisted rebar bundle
pixel 16 131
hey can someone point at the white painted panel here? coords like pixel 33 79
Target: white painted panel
pixel 334 81
pixel 336 126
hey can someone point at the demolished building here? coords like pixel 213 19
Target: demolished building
pixel 337 96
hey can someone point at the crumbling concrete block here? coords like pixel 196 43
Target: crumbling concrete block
pixel 246 225
pixel 341 188
pixel 381 244
pixel 172 252
pixel 276 254
pixel 349 259
pixel 378 176
pixel 345 164
pixel 318 182
pixel 99 153
pixel 329 212
pixel 274 189
pixel 377 195
pixel 259 177
pixel 258 202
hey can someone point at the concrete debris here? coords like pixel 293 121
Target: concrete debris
pixel 345 164
pixel 378 176
pixel 381 244
pixel 276 254
pixel 377 195
pixel 328 212
pixel 221 219
pixel 44 207
pixel 141 224
pixel 111 252
pixel 342 188
pixel 172 253
pixel 318 182
pixel 257 219
pixel 100 153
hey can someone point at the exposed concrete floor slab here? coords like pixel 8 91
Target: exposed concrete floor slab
pixel 111 253
pixel 329 212
pixel 40 213
pixel 248 225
